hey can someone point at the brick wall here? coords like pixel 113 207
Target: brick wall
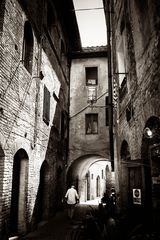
pixel 142 53
pixel 21 116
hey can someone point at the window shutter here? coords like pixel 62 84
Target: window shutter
pixel 46 106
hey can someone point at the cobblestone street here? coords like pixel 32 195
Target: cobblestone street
pixel 60 227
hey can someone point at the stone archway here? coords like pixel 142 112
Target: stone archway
pixel 78 173
pixel 18 213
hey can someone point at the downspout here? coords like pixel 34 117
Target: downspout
pixel 110 97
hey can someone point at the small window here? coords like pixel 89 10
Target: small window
pixel 91 123
pixel 91 75
pixel 46 106
pixel 28 47
pixel 102 174
pixel 129 112
pixel 122 53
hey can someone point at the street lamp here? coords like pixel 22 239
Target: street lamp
pixel 148 133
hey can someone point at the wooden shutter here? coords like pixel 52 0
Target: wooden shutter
pixel 46 106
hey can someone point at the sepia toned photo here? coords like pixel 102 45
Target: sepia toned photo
pixel 79 119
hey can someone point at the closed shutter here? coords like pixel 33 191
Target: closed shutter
pixel 46 106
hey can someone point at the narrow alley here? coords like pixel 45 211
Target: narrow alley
pixel 80 119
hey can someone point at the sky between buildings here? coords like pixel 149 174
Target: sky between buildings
pixel 91 22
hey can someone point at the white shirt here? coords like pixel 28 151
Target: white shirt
pixel 71 196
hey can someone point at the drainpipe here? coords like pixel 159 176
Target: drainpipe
pixel 110 97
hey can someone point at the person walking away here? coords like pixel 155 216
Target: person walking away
pixel 72 198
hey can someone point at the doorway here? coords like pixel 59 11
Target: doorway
pixel 18 213
pixel 44 192
pixel 98 186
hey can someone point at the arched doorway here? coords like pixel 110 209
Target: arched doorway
pixel 44 192
pixel 86 169
pixel 88 185
pixel 98 186
pixel 18 214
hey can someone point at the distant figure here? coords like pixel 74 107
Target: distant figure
pixel 105 198
pixel 113 201
pixel 113 196
pixel 72 198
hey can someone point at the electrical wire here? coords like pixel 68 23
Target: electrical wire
pixel 88 105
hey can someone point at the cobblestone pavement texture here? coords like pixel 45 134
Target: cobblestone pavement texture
pixel 59 227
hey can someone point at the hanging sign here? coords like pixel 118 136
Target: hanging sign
pixel 137 196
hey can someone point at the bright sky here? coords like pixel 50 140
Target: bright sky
pixel 92 25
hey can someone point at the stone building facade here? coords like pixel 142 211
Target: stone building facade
pixel 35 45
pixel 88 128
pixel 135 57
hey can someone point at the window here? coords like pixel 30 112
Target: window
pixel 46 106
pixel 129 111
pixel 92 123
pixel 91 76
pixel 28 47
pixel 122 53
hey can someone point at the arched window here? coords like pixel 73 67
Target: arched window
pixel 28 47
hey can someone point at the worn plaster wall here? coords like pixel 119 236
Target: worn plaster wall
pixel 81 144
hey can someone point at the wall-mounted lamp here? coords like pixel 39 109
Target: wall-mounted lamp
pixel 148 133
